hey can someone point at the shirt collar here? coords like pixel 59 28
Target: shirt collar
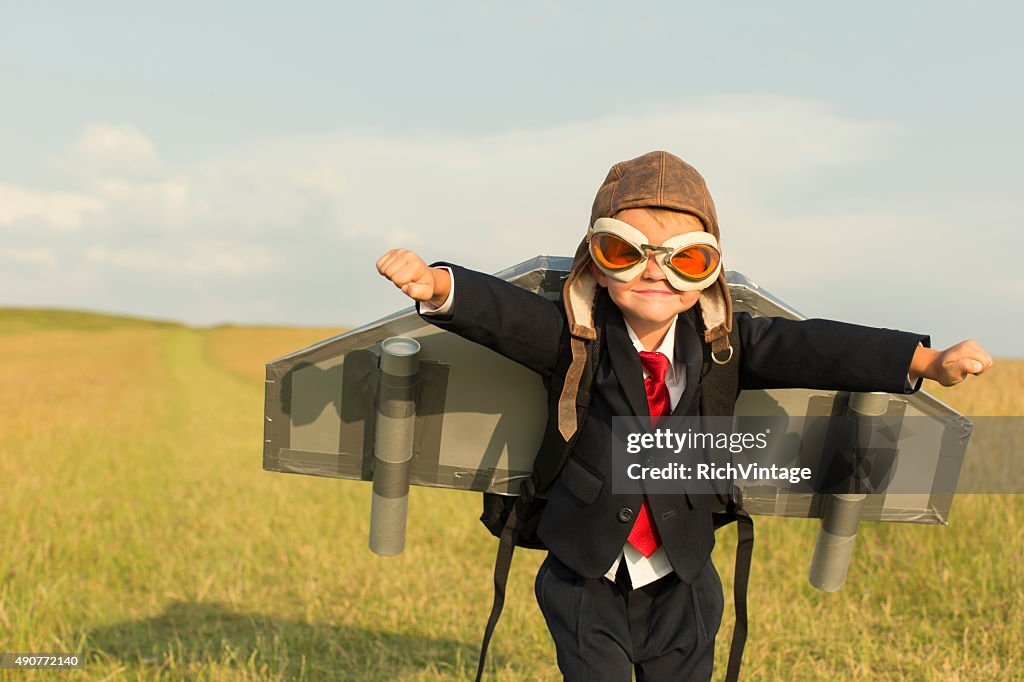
pixel 666 348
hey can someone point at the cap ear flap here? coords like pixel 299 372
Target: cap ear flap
pixel 580 291
pixel 579 295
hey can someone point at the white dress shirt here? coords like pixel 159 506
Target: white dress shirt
pixel 644 570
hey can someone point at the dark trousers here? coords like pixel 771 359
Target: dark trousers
pixel 603 630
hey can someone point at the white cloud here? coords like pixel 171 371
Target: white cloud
pixel 162 193
pixel 197 258
pixel 104 150
pixel 60 210
pixel 532 184
pixel 487 199
pixel 296 221
pixel 814 249
pixel 34 256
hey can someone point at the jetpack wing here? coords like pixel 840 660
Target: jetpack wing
pixel 475 419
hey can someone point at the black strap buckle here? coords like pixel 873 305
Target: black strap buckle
pixel 735 499
pixel 528 489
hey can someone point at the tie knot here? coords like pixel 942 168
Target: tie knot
pixel 655 364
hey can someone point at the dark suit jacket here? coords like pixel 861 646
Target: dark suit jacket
pixel 584 524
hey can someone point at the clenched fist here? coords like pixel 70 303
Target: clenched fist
pixel 951 366
pixel 409 273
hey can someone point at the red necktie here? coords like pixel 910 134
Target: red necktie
pixel 644 536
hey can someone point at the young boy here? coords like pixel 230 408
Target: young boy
pixel 628 582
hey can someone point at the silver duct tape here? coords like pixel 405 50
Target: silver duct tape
pixel 395 394
pixel 397 409
pixel 869 404
pixel 842 514
pixel 391 479
pixel 393 440
pixel 390 381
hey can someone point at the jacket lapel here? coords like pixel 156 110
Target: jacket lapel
pixel 689 350
pixel 626 364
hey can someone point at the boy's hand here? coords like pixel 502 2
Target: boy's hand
pixel 950 366
pixel 409 273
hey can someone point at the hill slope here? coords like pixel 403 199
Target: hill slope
pixel 39 319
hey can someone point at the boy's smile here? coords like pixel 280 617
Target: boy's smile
pixel 648 302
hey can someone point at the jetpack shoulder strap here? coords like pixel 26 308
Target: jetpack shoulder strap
pixel 721 387
pixel 555 450
pixel 502 564
pixel 744 554
pixel 721 382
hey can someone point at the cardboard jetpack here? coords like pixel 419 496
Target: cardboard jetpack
pixel 399 402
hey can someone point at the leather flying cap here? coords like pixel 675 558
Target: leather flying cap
pixel 654 180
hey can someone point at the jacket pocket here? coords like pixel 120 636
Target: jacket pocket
pixel 580 481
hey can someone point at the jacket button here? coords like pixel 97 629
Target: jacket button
pixel 625 515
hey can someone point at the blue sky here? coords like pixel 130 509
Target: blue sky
pixel 248 162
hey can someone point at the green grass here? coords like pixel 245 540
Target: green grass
pixel 139 528
pixel 37 319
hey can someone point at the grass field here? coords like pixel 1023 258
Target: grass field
pixel 138 527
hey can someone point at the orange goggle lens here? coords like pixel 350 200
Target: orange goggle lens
pixel 695 262
pixel 614 253
pixel 691 262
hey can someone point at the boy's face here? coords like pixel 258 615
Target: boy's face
pixel 648 300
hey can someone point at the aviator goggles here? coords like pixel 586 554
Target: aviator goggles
pixel 690 261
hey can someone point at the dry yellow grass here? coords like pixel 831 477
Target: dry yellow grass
pixel 140 529
pixel 246 350
pixel 997 392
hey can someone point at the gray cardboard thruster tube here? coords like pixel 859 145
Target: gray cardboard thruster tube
pixel 392 445
pixel 841 514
